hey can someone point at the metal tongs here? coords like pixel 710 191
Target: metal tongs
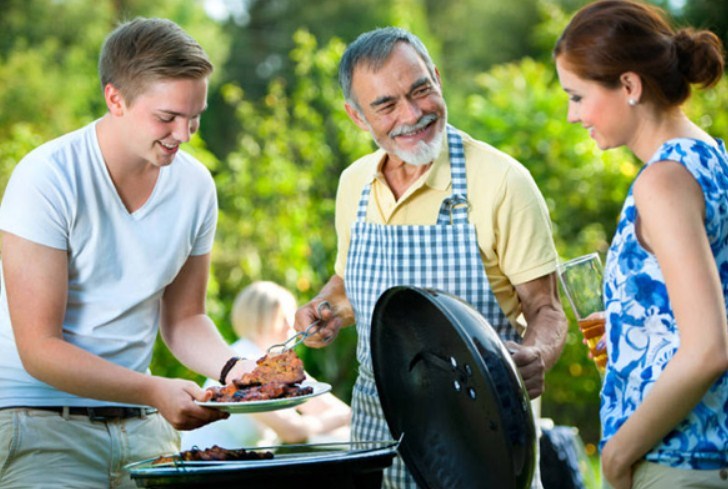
pixel 300 336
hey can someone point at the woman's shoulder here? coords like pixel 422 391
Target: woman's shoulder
pixel 705 161
pixel 693 152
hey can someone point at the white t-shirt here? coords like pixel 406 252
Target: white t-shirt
pixel 62 196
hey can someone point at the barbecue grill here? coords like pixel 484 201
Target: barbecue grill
pixel 452 398
pixel 330 466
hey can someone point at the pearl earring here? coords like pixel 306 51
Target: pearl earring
pixel 632 102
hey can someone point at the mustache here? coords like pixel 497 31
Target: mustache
pixel 424 121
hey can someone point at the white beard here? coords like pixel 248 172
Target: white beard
pixel 423 154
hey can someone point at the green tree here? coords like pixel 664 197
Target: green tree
pixel 48 76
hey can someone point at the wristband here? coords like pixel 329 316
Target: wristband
pixel 227 368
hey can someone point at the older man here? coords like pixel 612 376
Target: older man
pixel 460 215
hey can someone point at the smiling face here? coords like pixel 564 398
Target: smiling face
pixel 159 119
pixel 604 112
pixel 401 105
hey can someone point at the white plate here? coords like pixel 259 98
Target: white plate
pixel 269 404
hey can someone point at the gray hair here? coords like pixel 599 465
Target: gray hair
pixel 372 49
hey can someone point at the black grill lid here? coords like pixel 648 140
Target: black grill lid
pixel 447 382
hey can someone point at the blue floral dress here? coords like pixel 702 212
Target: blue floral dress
pixel 642 335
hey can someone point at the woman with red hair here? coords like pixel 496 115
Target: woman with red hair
pixel 664 401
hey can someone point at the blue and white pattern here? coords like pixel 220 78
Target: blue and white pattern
pixel 444 256
pixel 642 335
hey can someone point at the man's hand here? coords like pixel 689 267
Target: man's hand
pixel 328 323
pixel 175 399
pixel 531 366
pixel 545 331
pixel 332 318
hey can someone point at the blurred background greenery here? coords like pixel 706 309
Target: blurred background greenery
pixel 276 136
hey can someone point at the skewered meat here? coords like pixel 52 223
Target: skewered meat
pixel 215 453
pixel 275 377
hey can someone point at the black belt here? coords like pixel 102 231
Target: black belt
pixel 102 413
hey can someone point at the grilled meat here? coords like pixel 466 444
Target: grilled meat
pixel 284 367
pixel 275 377
pixel 215 453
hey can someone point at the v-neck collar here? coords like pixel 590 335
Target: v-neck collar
pixel 101 163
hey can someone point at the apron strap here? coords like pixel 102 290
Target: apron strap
pixel 361 210
pixel 454 209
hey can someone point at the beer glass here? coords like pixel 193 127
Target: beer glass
pixel 581 279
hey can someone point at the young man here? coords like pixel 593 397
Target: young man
pixel 107 233
pixel 433 208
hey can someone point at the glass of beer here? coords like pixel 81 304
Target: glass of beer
pixel 581 279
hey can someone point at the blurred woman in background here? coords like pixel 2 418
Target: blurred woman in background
pixel 664 408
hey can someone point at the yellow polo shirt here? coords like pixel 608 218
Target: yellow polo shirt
pixel 509 213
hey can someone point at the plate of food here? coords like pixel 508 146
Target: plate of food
pixel 311 389
pixel 277 382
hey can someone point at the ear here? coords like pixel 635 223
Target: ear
pixel 114 100
pixel 437 77
pixel 356 116
pixel 631 85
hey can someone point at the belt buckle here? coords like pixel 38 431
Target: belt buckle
pixel 118 412
pixel 107 413
pixel 92 416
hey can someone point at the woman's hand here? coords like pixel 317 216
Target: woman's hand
pixel 615 470
pixel 599 353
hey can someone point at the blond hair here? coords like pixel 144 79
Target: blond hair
pixel 258 306
pixel 143 50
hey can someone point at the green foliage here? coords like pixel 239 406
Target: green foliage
pixel 48 65
pixel 520 109
pixel 47 79
pixel 21 139
pixel 486 26
pixel 547 31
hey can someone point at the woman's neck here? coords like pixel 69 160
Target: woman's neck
pixel 662 126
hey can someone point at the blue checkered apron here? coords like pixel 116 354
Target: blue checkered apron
pixel 444 256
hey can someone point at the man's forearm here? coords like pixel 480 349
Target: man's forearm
pixel 547 326
pixel 197 343
pixel 547 332
pixel 79 372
